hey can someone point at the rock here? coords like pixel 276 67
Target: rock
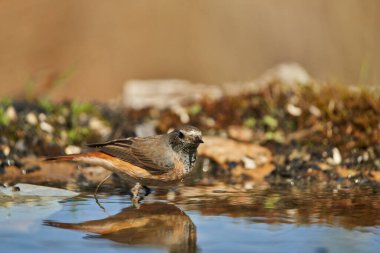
pixel 5 149
pixel 181 112
pixel 287 73
pixel 249 163
pixel 315 111
pixel 224 151
pixel 42 117
pixel 37 191
pixel 240 133
pixel 336 158
pixel 293 110
pixel 100 127
pixel 162 94
pixel 71 149
pixel 31 118
pixel 46 127
pixel 11 113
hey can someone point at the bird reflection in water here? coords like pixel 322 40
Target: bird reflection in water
pixel 153 224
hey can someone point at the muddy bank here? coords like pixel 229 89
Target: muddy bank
pixel 278 134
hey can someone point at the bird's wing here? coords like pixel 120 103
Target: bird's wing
pixel 142 152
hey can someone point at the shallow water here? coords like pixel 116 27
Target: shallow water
pixel 206 219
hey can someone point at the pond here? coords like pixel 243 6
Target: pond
pixel 198 219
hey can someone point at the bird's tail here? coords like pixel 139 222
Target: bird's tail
pixel 74 157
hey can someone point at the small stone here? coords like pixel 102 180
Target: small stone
pixel 315 111
pixel 249 163
pixel 337 157
pixel 5 149
pixel 11 113
pixel 42 117
pixel 248 185
pixel 100 127
pixel 46 127
pixel 293 110
pixel 71 149
pixel 206 165
pixel 365 156
pixel 31 118
pixel 182 113
pixel 240 133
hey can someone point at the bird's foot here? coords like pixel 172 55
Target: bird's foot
pixel 135 190
pixel 136 202
pixel 135 197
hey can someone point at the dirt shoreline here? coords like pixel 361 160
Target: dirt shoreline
pixel 307 133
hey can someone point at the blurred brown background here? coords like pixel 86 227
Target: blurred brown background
pixel 88 48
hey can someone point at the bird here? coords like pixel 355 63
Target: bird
pixel 158 161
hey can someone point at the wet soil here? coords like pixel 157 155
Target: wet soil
pixel 312 133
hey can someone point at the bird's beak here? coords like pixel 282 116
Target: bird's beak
pixel 198 140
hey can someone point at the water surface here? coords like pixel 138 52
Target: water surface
pixel 194 219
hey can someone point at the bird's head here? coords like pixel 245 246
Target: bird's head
pixel 185 137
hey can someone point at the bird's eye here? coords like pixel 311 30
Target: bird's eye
pixel 181 135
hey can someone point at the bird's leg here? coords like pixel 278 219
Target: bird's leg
pixel 135 194
pixel 96 191
pixel 135 190
pixel 100 184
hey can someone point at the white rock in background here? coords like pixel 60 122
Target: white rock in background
pixel 315 111
pixel 288 73
pixel 165 93
pixel 337 157
pixel 46 127
pixel 36 191
pixel 42 116
pixel 293 110
pixel 161 94
pixel 249 163
pixel 11 113
pixel 99 126
pixel 71 149
pixel 31 118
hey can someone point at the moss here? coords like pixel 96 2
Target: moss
pixel 4 120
